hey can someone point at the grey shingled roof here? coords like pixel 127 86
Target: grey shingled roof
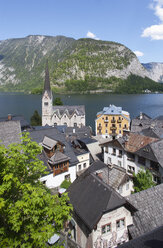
pixel 157 148
pixel 58 157
pixel 153 239
pixel 53 133
pixel 10 132
pixel 147 126
pixel 23 122
pixel 113 176
pixel 48 142
pixel 150 210
pixel 91 197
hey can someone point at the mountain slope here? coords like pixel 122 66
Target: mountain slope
pixel 155 71
pixel 22 62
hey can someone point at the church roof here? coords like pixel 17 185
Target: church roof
pixel 69 110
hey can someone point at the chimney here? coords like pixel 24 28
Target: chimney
pixel 141 115
pixel 9 117
pixel 99 174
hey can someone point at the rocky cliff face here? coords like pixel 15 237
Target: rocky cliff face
pixel 155 71
pixel 22 61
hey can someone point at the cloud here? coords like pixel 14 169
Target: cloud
pixel 91 35
pixel 155 32
pixel 138 53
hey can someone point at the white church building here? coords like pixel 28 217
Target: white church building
pixel 71 116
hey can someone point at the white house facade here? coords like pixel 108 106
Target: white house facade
pixel 136 153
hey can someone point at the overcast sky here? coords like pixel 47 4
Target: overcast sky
pixel 138 24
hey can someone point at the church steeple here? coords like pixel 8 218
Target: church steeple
pixel 47 81
pixel 47 100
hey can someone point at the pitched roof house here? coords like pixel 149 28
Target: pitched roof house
pixel 134 152
pixel 145 125
pixel 101 215
pixel 60 158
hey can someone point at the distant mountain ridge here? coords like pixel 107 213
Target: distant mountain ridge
pixel 22 62
pixel 155 71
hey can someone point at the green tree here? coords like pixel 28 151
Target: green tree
pixel 29 214
pixel 57 101
pixel 65 184
pixel 36 119
pixel 142 180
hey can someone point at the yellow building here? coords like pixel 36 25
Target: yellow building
pixel 111 122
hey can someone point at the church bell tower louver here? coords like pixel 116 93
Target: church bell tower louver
pixel 47 100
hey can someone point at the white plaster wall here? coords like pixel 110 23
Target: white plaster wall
pixel 84 158
pixel 80 120
pixel 114 158
pixel 118 234
pixel 126 189
pixel 46 109
pixel 55 181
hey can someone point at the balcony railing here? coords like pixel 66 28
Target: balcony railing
pixel 119 121
pixel 112 121
pixel 106 121
pixel 99 127
pixel 113 128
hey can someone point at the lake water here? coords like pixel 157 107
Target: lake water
pixel 20 104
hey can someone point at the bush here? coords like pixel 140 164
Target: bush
pixel 65 184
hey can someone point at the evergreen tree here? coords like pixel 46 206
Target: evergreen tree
pixel 142 180
pixel 36 119
pixel 29 214
pixel 57 101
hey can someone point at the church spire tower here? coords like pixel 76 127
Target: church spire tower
pixel 47 81
pixel 47 100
